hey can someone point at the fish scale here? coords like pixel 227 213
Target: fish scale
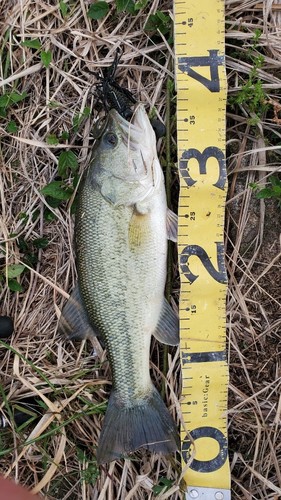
pixel 115 291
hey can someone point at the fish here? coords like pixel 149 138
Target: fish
pixel 122 227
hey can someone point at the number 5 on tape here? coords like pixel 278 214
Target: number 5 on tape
pixel 201 88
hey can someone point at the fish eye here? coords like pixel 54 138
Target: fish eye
pixel 111 139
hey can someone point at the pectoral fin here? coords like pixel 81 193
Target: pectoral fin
pixel 167 330
pixel 74 322
pixel 121 191
pixel 172 225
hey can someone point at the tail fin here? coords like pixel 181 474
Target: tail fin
pixel 147 424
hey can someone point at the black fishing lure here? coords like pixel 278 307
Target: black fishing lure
pixel 112 95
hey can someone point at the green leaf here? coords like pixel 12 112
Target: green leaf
pixel 275 181
pixel 162 16
pixel 86 111
pixel 162 487
pixel 54 104
pixel 30 259
pixel 171 86
pixel 52 139
pixel 10 98
pixel 4 100
pixel 14 286
pixel 53 202
pixel 46 58
pixel 257 35
pixel 76 122
pixel 41 242
pixel 78 118
pixel 158 21
pixel 98 10
pixel 265 193
pixel 75 181
pixel 57 191
pixel 12 127
pixel 64 136
pixel 32 44
pixel 31 415
pixel 49 216
pixel 141 4
pixel 131 7
pixel 23 216
pixel 16 97
pixel 3 112
pixel 63 8
pixel 73 207
pixel 125 5
pixel 67 160
pixel 22 244
pixel 15 270
pixel 276 190
pixel 81 455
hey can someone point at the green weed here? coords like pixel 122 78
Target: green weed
pixel 158 22
pixel 34 43
pixel 46 58
pixel 12 127
pixel 63 8
pixel 90 472
pixel 163 485
pixel 100 9
pixel 11 274
pixel 251 94
pixel 273 191
pixel 8 100
pixel 78 118
pixel 59 191
pixel 29 250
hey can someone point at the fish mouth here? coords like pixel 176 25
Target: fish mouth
pixel 137 134
pixel 140 142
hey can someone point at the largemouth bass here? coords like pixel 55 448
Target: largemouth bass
pixel 121 230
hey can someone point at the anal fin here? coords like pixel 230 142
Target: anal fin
pixel 167 330
pixel 74 322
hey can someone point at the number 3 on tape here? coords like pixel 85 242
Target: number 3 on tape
pixel 201 86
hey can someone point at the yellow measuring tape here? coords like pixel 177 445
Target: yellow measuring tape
pixel 201 90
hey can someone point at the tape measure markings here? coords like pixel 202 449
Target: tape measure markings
pixel 201 142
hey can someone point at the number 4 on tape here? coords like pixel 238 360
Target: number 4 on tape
pixel 213 61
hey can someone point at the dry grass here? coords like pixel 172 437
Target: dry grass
pixel 253 257
pixel 70 381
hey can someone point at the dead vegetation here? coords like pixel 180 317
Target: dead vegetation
pixel 56 456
